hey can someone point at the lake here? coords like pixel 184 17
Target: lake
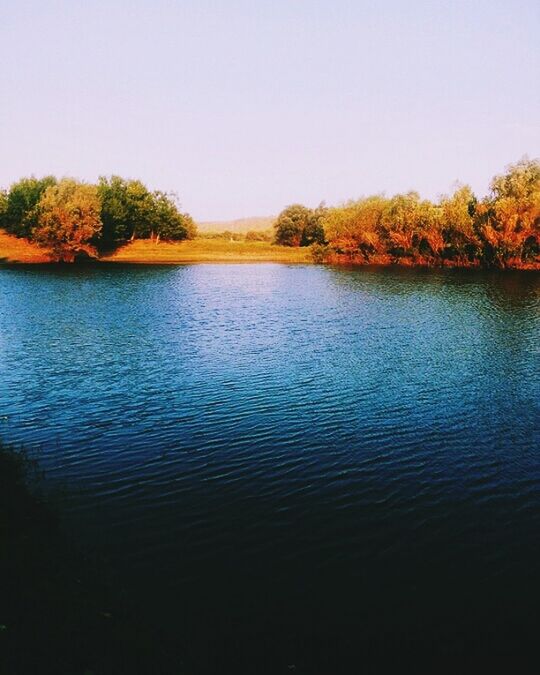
pixel 291 468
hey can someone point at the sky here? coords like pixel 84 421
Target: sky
pixel 242 107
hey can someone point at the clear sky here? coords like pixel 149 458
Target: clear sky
pixel 245 106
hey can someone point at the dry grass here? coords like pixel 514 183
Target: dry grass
pixel 207 250
pixel 241 225
pixel 13 249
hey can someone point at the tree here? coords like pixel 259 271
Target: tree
pixel 299 226
pixel 114 209
pixel 520 182
pixel 20 210
pixel 168 221
pixel 429 220
pixel 458 224
pixel 290 225
pixel 129 210
pixel 509 220
pixel 68 218
pixel 3 206
pixel 400 223
pixel 314 230
pixel 355 227
pixel 126 209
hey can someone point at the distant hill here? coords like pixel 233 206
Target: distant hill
pixel 242 225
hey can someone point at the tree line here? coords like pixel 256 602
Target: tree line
pixel 502 229
pixel 73 218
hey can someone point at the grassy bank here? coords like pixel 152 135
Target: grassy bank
pixel 16 250
pixel 207 250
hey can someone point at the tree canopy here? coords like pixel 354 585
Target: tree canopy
pixel 130 210
pixel 68 218
pixel 71 217
pixel 502 229
pixel 19 215
pixel 297 225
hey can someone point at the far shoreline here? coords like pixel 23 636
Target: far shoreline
pixel 21 252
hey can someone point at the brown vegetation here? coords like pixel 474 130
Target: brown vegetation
pixel 16 250
pixel 501 230
pixel 238 226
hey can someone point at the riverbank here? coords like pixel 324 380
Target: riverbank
pixel 424 261
pixel 203 250
pixel 17 250
pixel 207 250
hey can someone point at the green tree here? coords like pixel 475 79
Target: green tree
pixel 520 182
pixel 20 210
pixel 299 226
pixel 129 210
pixel 168 222
pixel 290 224
pixel 126 209
pixel 68 219
pixel 314 230
pixel 3 206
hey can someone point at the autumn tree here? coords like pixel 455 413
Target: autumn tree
pixel 509 220
pixel 68 219
pixel 429 229
pixel 400 224
pixel 354 228
pixel 458 224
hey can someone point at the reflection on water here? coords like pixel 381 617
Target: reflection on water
pixel 291 464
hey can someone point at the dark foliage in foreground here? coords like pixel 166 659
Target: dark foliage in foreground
pixel 62 610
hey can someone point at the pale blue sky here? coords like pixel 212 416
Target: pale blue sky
pixel 244 106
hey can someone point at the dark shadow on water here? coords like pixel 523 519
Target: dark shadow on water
pixel 66 612
pixel 62 610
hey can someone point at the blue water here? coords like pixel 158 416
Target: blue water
pixel 290 464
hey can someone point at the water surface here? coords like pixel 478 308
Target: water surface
pixel 291 466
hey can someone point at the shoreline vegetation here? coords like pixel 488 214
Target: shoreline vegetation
pixel 121 220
